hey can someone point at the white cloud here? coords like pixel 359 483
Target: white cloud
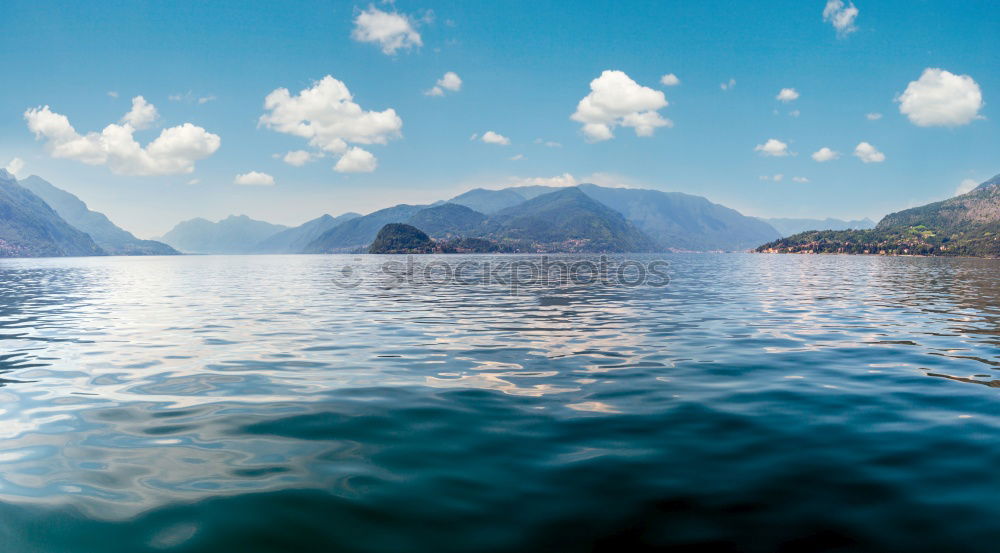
pixel 142 114
pixel 450 81
pixel 390 30
pixel 795 113
pixel 776 178
pixel 548 143
pixel 564 179
pixel 113 93
pixel 873 116
pixel 841 16
pixel 298 158
pixel 517 157
pixel 253 178
pixel 328 117
pixel 800 180
pixel 868 154
pixel 773 147
pixel 964 187
pixel 940 98
pixel 194 181
pixel 616 100
pixel 787 95
pixel 825 154
pixel 728 85
pixel 15 166
pixel 175 151
pixel 356 160
pixel 670 80
pixel 491 137
pixel 190 98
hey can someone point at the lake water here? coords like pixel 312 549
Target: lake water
pixel 257 403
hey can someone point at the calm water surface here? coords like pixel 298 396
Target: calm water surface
pixel 757 403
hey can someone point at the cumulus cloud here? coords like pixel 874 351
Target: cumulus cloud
pixel 941 98
pixel 142 114
pixel 670 80
pixel 328 117
pixel 113 93
pixel 450 81
pixel 787 95
pixel 873 116
pixel 14 166
pixel 616 100
pixel 253 178
pixel 825 154
pixel 517 157
pixel 773 147
pixel 868 154
pixel 964 187
pixel 298 158
pixel 800 180
pixel 564 179
pixel 728 85
pixel 356 160
pixel 491 137
pixel 175 151
pixel 392 31
pixel 841 16
pixel 775 178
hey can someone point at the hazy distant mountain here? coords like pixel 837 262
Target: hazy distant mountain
pixel 568 220
pixel 30 228
pixel 295 240
pixel 109 237
pixel 488 201
pixel 447 220
pixel 964 225
pixel 788 227
pixel 679 221
pixel 360 232
pixel 235 234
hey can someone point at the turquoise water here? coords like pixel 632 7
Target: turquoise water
pixel 756 403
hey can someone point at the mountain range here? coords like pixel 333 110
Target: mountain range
pixel 968 224
pixel 31 228
pixel 111 238
pixel 616 219
pixel 41 219
pixel 234 234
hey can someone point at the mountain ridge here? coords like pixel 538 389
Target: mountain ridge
pixel 111 238
pixel 29 227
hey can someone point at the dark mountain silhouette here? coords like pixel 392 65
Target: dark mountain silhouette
pixel 401 238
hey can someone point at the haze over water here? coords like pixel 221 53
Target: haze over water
pixel 247 403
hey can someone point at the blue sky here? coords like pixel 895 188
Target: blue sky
pixel 524 67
